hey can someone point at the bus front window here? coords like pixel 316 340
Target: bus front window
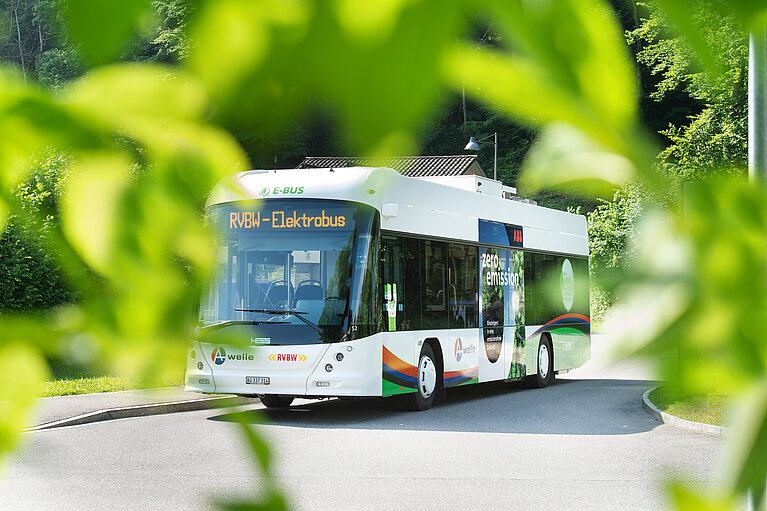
pixel 299 256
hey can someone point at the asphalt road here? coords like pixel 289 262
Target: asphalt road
pixel 583 443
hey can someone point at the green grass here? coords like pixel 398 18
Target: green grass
pixel 68 387
pixel 709 409
pixel 68 380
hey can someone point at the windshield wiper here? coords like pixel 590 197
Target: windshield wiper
pixel 285 312
pixel 223 324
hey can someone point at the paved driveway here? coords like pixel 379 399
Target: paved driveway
pixel 583 443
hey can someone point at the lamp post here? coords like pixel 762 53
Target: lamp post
pixel 757 156
pixel 757 105
pixel 473 145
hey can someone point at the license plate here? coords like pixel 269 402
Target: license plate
pixel 257 380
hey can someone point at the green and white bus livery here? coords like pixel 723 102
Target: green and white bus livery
pixel 360 282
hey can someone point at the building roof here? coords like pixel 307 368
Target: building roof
pixel 411 166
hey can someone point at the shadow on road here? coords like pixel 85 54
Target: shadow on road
pixel 568 407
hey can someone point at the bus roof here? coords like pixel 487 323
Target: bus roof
pixel 445 207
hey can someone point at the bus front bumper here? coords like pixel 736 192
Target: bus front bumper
pixel 338 369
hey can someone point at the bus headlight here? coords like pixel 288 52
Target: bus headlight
pixel 339 356
pixel 328 368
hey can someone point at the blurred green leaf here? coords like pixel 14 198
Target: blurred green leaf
pixel 100 28
pixel 369 21
pixel 566 61
pixel 273 502
pixel 564 157
pixel 30 122
pixel 687 500
pixel 128 93
pixel 23 369
pixel 748 449
pixel 90 213
pixel 270 498
pixel 274 61
pixel 258 447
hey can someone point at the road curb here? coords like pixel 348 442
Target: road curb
pixel 146 410
pixel 666 418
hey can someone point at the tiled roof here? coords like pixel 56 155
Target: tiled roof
pixel 413 166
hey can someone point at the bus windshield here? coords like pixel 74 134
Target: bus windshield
pixel 299 262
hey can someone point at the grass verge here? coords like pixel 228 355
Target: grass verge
pixel 71 380
pixel 708 409
pixel 69 387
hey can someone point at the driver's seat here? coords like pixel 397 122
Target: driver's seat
pixel 309 292
pixel 277 294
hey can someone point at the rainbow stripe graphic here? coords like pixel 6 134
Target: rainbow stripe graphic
pixel 579 319
pixel 399 372
pixel 454 378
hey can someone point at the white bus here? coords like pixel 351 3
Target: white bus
pixel 362 282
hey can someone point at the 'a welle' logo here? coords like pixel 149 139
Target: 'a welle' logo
pixel 219 356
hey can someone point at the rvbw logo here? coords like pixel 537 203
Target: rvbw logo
pixel 458 350
pixel 287 357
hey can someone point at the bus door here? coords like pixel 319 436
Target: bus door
pixel 502 332
pixel 514 331
pixel 492 272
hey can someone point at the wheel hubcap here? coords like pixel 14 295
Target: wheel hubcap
pixel 543 360
pixel 427 376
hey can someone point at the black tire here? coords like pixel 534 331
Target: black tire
pixel 544 351
pixel 422 398
pixel 272 401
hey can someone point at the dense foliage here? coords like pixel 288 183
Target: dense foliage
pixel 713 141
pixel 709 142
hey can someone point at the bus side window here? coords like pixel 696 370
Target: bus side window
pixel 391 282
pixel 463 286
pixel 396 286
pixel 411 253
pixel 433 272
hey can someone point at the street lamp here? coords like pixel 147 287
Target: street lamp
pixel 473 145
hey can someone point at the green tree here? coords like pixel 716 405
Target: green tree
pixel 712 141
pixel 32 279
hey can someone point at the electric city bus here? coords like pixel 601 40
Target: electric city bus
pixel 361 282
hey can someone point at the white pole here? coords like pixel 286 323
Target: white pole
pixel 757 152
pixel 757 106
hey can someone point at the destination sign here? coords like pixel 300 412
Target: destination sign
pixel 292 219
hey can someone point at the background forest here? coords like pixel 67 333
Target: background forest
pixel 698 126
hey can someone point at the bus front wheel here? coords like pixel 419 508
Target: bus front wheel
pixel 272 401
pixel 428 381
pixel 545 362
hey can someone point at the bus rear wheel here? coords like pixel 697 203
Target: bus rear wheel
pixel 427 384
pixel 545 362
pixel 272 401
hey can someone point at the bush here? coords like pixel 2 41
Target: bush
pixel 31 278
